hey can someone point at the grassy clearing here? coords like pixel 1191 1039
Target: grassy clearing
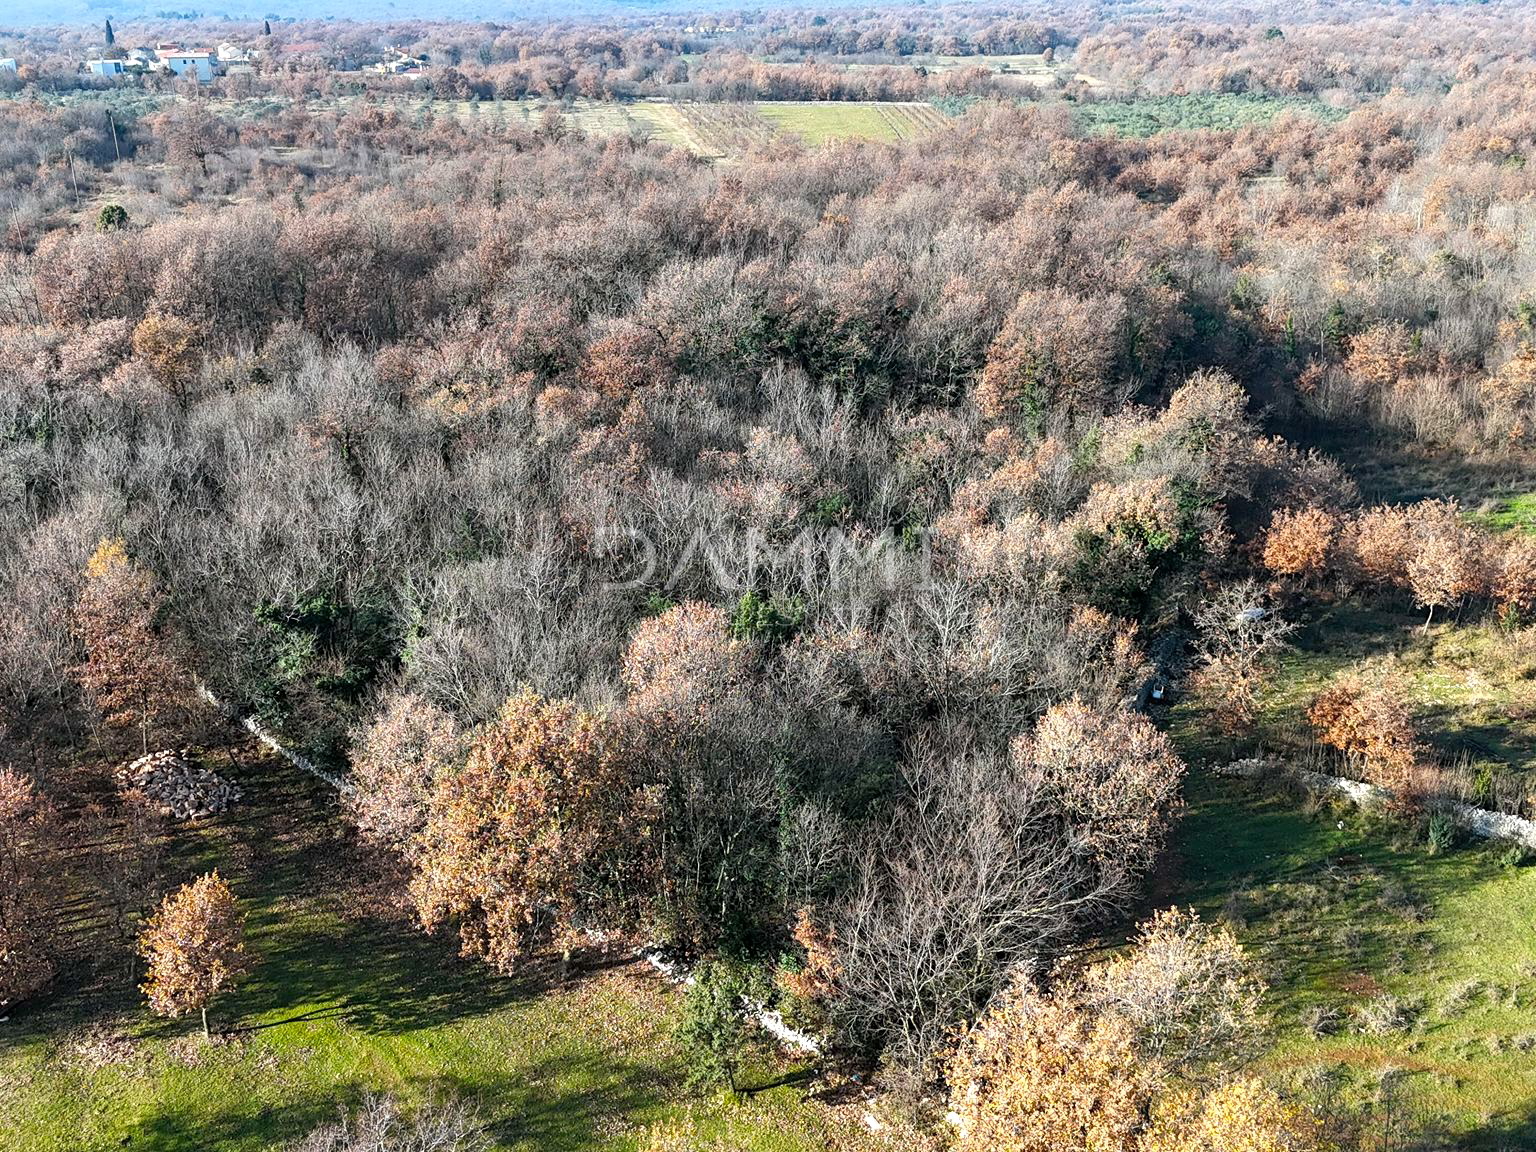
pixel 347 999
pixel 1209 111
pixel 1031 66
pixel 1514 514
pixel 1386 961
pixel 1471 687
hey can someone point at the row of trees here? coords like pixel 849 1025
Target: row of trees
pixel 1430 550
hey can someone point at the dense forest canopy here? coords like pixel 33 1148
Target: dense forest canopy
pixel 776 550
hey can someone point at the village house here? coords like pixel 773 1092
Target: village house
pixel 8 64
pixel 401 65
pixel 183 62
pixel 107 67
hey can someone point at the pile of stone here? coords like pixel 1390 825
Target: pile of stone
pixel 177 786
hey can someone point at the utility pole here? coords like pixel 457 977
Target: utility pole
pixel 117 148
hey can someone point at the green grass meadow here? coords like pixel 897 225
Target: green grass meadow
pixel 1403 983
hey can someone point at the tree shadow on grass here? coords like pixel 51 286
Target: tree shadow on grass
pixel 1335 901
pixel 565 1100
pixel 255 1127
pixel 379 978
pixel 796 1076
pixel 1501 1134
pixel 301 1018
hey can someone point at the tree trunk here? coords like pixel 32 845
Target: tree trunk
pixel 205 1022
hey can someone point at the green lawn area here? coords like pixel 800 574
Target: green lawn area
pixel 1470 686
pixel 347 999
pixel 1514 514
pixel 1350 916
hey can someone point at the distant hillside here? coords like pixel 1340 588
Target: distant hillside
pixel 47 13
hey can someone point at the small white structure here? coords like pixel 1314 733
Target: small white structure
pixel 182 62
pixel 106 67
pixel 401 65
pixel 8 64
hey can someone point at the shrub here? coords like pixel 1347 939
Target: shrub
pixel 1300 542
pixel 111 218
pixel 772 620
pixel 1385 1015
pixel 1321 1020
pixel 168 346
pixel 715 1018
pixel 1514 855
pixel 1441 833
pixel 193 948
pixel 1369 723
pixel 381 1125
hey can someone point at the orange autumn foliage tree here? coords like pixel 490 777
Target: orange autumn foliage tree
pixel 1130 1055
pixel 1111 775
pixel 168 346
pixel 128 671
pixel 1370 724
pixel 1383 354
pixel 1057 352
pixel 1300 542
pixel 1446 565
pixel 1038 1073
pixel 1244 1115
pixel 529 842
pixel 1514 578
pixel 397 758
pixel 194 946
pixel 1380 542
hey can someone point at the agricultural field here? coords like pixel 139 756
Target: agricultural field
pixel 819 123
pixel 713 130
pixel 1032 69
pixel 1200 111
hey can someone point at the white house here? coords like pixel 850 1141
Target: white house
pixel 8 64
pixel 182 62
pixel 107 67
